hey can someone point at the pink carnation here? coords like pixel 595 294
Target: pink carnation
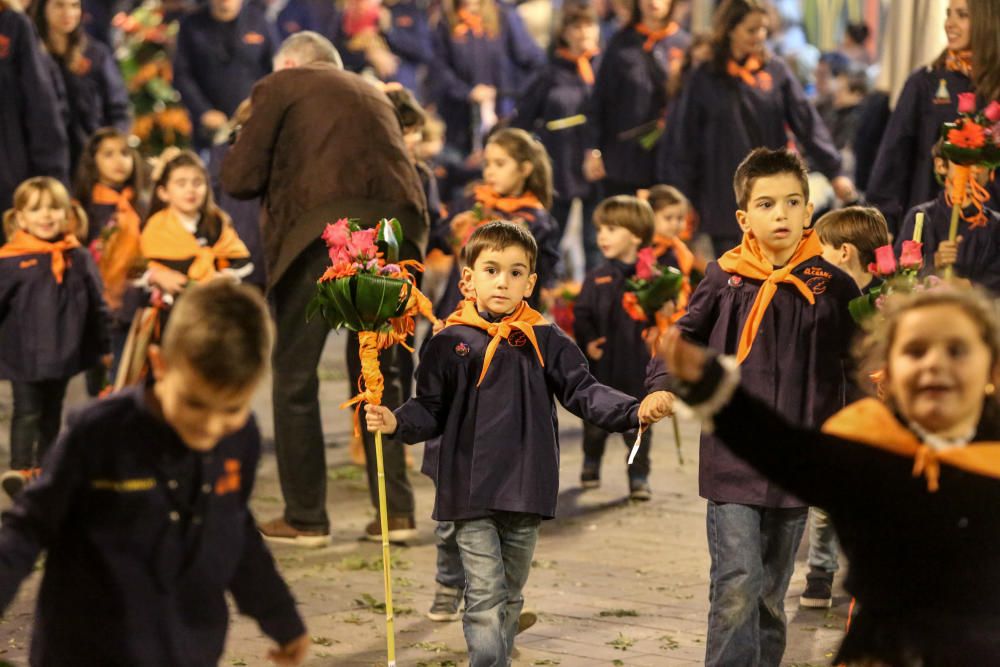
pixel 966 103
pixel 362 244
pixel 912 256
pixel 339 254
pixel 645 265
pixel 338 233
pixel 993 111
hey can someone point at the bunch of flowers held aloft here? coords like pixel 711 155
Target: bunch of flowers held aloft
pixel 897 278
pixel 650 288
pixel 971 143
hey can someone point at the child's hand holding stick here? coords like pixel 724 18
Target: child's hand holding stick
pixel 380 418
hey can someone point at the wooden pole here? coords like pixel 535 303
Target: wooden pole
pixel 390 623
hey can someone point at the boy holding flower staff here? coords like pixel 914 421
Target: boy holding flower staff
pixel 782 310
pixel 486 385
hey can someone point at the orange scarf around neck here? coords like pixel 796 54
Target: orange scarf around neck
pixel 492 200
pixel 583 65
pixel 751 73
pixel 871 422
pixel 23 243
pixel 655 36
pixel 523 319
pixel 469 22
pixel 959 61
pixel 748 261
pixel 165 238
pixel 121 250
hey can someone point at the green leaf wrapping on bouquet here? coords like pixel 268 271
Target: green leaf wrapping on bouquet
pixel 987 155
pixel 360 303
pixel 862 308
pixel 652 294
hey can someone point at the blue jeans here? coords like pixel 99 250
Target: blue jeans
pixel 753 556
pixel 449 559
pixel 823 545
pixel 496 554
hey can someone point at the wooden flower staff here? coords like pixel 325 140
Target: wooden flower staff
pixel 368 290
pixel 971 144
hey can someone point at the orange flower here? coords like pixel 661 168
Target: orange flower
pixel 338 270
pixel 630 302
pixel 143 126
pixel 970 135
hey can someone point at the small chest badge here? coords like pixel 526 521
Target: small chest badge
pixel 735 281
pixel 517 339
pixel 462 350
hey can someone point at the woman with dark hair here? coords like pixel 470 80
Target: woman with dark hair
pixel 742 98
pixel 553 106
pixel 903 174
pixel 32 136
pixel 95 91
pixel 625 114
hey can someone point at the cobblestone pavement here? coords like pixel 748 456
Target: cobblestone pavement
pixel 613 582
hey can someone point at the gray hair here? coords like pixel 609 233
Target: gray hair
pixel 308 47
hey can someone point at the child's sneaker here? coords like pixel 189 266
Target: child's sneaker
pixel 590 476
pixel 639 489
pixel 819 590
pixel 447 604
pixel 14 481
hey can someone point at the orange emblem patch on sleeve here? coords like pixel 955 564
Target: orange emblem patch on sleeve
pixel 253 38
pixel 26 263
pixel 230 480
pixel 602 280
pixel 404 21
pixel 4 46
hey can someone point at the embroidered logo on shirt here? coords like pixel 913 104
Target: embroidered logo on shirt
pixel 602 280
pixel 82 66
pixel 4 46
pixel 124 485
pixel 253 38
pixel 817 285
pixel 942 96
pixel 26 263
pixel 735 281
pixel 229 481
pixel 462 350
pixel 404 21
pixel 517 339
pixel 291 27
pixel 816 271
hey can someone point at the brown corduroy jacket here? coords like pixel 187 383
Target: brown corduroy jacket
pixel 323 144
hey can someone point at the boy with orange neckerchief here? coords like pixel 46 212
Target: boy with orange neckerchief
pixel 781 309
pixel 486 386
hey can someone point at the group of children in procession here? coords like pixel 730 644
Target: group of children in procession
pixel 73 276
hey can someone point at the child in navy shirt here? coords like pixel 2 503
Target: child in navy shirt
pixel 612 340
pixel 142 507
pixel 486 385
pixel 52 319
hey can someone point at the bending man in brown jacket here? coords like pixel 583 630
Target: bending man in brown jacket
pixel 322 144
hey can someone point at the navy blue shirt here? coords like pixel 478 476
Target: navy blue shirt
pixel 978 253
pixel 216 64
pixel 32 132
pixel 143 536
pixel 50 330
pixel 798 363
pixel 903 174
pixel 499 448
pixel 558 92
pixel 629 100
pixel 719 119
pixel 599 313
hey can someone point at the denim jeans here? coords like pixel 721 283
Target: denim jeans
pixel 496 555
pixel 450 572
pixel 595 438
pixel 753 556
pixel 36 420
pixel 823 545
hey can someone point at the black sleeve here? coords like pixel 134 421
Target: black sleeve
pixel 586 319
pixel 423 417
pixel 701 314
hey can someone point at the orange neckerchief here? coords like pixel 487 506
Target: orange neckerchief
pixel 469 22
pixel 654 36
pixel 870 422
pixel 523 319
pixel 122 249
pixel 165 238
pixel 752 73
pixel 959 61
pixel 748 261
pixel 492 200
pixel 583 66
pixel 23 243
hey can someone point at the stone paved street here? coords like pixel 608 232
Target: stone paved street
pixel 613 582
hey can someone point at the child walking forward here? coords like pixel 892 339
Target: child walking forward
pixel 52 320
pixel 142 506
pixel 486 385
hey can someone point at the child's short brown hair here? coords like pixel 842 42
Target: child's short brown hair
pixel 864 227
pixel 629 212
pixel 222 330
pixel 662 196
pixel 763 162
pixel 500 235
